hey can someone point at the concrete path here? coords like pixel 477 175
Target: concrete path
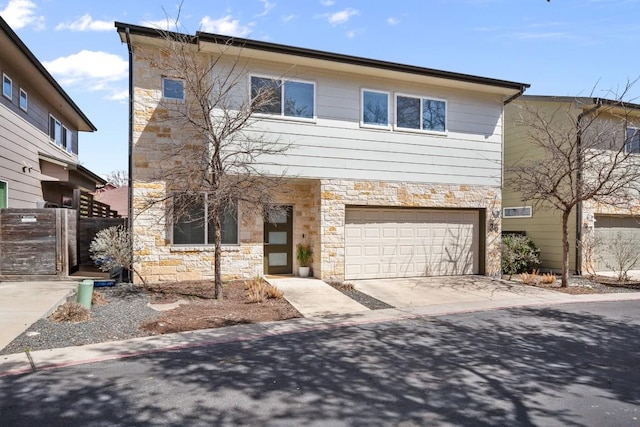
pixel 313 297
pixel 429 291
pixel 24 303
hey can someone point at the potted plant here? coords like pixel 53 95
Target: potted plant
pixel 303 254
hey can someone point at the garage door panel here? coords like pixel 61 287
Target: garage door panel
pixel 411 242
pixel 607 229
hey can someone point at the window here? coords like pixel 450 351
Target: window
pixel 23 100
pixel 288 98
pixel 518 212
pixel 421 113
pixel 192 229
pixel 3 195
pixel 7 88
pixel 172 89
pixel 632 143
pixel 60 135
pixel 375 108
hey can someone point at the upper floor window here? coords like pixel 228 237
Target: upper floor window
pixel 632 143
pixel 290 98
pixel 195 228
pixel 60 135
pixel 172 89
pixel 24 101
pixel 7 87
pixel 421 113
pixel 375 108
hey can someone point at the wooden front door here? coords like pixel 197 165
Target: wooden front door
pixel 278 242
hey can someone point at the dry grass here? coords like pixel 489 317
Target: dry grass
pixel 530 278
pixel 258 290
pixel 345 286
pixel 548 278
pixel 98 298
pixel 70 312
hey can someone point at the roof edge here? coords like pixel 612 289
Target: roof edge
pixel 324 55
pixel 585 100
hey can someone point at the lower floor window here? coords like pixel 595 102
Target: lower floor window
pixel 193 226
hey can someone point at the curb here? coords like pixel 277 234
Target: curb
pixel 29 362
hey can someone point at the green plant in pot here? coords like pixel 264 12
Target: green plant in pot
pixel 303 254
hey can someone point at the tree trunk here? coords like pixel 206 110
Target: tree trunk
pixel 565 248
pixel 217 241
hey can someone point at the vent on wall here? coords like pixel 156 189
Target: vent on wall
pixel 517 212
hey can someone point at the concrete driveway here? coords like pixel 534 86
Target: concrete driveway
pixel 429 291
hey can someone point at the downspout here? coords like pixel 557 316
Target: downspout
pixel 130 177
pixel 578 259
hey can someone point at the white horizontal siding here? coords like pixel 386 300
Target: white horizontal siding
pixel 336 146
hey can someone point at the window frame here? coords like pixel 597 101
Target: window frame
pixel 282 84
pixel 6 195
pixel 24 108
pixel 10 94
pixel 65 143
pixel 627 139
pixel 389 109
pixel 421 99
pixel 205 230
pixel 170 98
pixel 504 212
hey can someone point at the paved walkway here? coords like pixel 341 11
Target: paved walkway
pixel 313 297
pixel 24 303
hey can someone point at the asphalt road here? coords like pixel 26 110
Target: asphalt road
pixel 566 365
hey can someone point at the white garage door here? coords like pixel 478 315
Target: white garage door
pixel 607 229
pixel 391 242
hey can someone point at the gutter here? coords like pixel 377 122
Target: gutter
pixel 598 103
pixel 517 95
pixel 130 174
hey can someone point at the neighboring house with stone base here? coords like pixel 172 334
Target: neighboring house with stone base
pixel 591 224
pixel 395 170
pixel 40 127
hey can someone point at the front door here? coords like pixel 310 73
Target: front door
pixel 278 242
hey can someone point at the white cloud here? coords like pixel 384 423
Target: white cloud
pixel 161 24
pixel 227 26
pixel 92 70
pixel 342 16
pixel 20 13
pixel 86 23
pixel 119 95
pixel 288 18
pixel 267 7
pixel 327 2
pixel 393 21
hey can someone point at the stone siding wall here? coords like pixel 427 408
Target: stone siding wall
pixel 336 195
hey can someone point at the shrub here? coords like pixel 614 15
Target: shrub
pixel 70 312
pixel 111 248
pixel 519 255
pixel 258 290
pixel 304 254
pixel 624 251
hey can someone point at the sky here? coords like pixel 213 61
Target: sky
pixel 560 47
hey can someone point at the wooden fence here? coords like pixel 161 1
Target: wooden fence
pixel 88 207
pixel 37 242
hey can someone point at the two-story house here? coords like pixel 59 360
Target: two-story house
pixel 609 126
pixel 39 128
pixel 393 170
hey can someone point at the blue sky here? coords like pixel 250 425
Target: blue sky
pixel 562 47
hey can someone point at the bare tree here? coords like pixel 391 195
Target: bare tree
pixel 624 252
pixel 577 155
pixel 213 166
pixel 119 178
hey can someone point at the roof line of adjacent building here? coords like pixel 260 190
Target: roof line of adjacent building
pixel 584 100
pixel 43 71
pixel 318 54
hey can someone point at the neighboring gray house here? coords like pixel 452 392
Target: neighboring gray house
pixel 39 127
pixel 395 170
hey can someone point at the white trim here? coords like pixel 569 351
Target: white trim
pixel 10 95
pixel 421 99
pixel 6 192
pixel 504 212
pixel 26 100
pixel 371 125
pixel 282 82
